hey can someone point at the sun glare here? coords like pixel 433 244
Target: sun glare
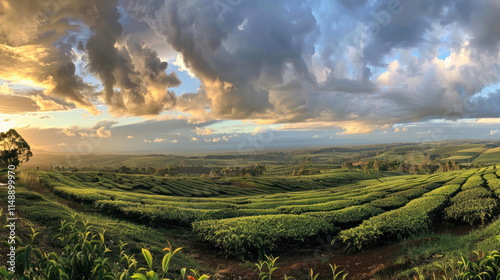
pixel 5 125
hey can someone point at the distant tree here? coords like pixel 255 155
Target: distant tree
pixel 124 170
pixel 403 168
pixel 173 170
pixel 376 165
pixel 447 166
pixel 414 169
pixel 346 165
pixel 454 166
pixel 441 167
pixel 150 170
pixel 14 150
pixel 214 173
pixel 425 168
pixel 259 169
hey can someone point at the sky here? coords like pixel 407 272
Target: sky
pixel 197 76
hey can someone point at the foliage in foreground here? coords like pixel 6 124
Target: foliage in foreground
pixel 85 256
pixel 481 266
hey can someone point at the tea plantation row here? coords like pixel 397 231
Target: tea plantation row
pixel 253 216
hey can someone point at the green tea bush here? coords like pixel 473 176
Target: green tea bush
pixel 474 193
pixel 414 217
pixel 85 255
pixel 472 211
pixel 411 193
pixel 327 206
pixel 80 195
pixel 259 235
pixel 473 182
pixel 348 217
pixel 390 202
pixel 494 184
pixel 447 190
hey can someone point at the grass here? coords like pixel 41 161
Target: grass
pixel 490 156
pixel 46 216
pixel 443 249
pixel 494 150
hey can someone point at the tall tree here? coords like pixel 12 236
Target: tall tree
pixel 14 150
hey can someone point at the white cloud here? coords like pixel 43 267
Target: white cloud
pixel 258 130
pixel 102 132
pixel 201 131
pixel 494 132
pixel 130 137
pixel 179 62
pixel 194 139
pixel 62 144
pixel 161 140
pixel 68 132
pixel 315 136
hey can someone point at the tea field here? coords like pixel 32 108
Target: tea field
pixel 250 217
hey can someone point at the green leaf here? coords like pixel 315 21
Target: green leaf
pixel 139 276
pixel 148 257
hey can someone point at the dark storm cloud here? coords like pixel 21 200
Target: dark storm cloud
pixel 40 44
pixel 259 37
pixel 289 61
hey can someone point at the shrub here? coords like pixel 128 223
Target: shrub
pixel 472 211
pixel 474 193
pixel 390 202
pixel 349 216
pixel 258 235
pixel 473 182
pixel 414 217
pixel 447 190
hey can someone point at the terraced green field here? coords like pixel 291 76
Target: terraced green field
pixel 353 208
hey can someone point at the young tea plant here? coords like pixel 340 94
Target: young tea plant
pixel 266 268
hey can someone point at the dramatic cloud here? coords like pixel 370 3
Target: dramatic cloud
pixel 353 66
pixel 364 61
pixel 41 42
